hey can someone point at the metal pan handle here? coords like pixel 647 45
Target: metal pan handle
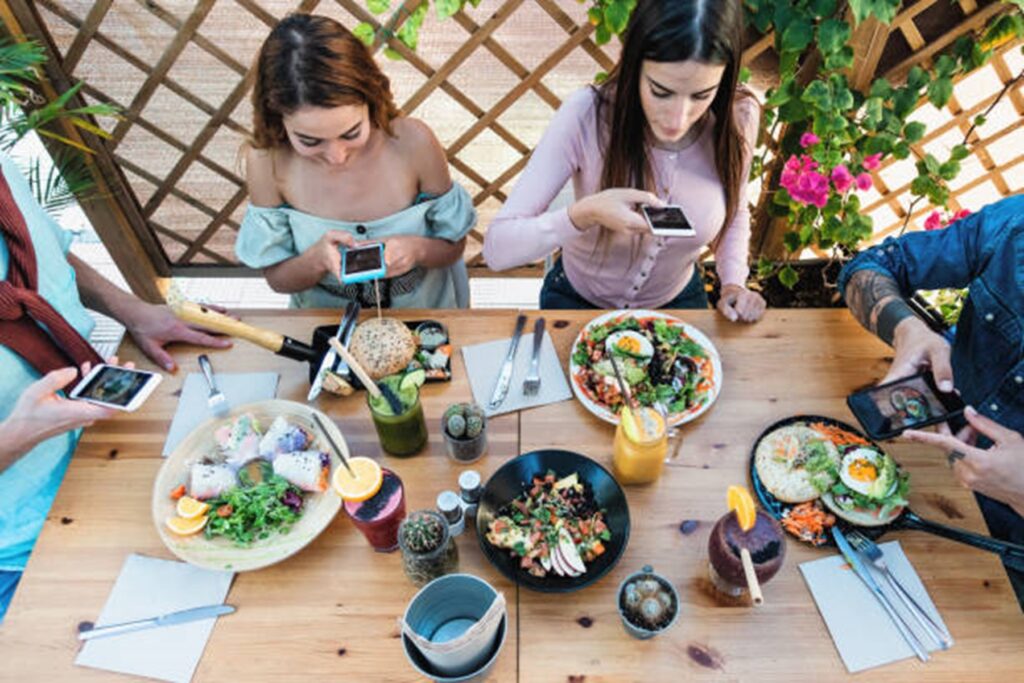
pixel 909 520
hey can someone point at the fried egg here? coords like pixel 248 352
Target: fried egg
pixel 860 470
pixel 630 343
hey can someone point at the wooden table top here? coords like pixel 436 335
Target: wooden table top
pixel 329 613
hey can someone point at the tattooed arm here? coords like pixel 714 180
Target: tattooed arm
pixel 875 300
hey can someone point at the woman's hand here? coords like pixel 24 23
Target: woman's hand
pixel 154 327
pixel 997 472
pixel 403 253
pixel 41 413
pixel 615 209
pixel 325 253
pixel 737 303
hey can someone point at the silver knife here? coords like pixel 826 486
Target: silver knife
pixel 351 312
pixel 505 376
pixel 865 575
pixel 184 616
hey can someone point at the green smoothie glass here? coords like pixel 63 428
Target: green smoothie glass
pixel 403 433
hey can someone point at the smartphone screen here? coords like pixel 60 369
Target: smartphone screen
pixel 669 221
pixel 887 410
pixel 363 259
pixel 114 386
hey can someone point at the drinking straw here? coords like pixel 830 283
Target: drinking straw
pixel 752 583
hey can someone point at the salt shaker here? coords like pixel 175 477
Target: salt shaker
pixel 450 507
pixel 469 484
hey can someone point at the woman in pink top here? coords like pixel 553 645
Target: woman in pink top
pixel 669 126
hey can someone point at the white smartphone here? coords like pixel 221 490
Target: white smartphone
pixel 669 221
pixel 116 387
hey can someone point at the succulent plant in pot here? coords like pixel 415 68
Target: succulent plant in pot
pixel 465 431
pixel 648 604
pixel 428 549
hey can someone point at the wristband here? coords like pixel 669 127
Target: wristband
pixel 893 313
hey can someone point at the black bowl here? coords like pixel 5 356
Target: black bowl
pixel 515 477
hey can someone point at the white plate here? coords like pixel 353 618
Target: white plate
pixel 691 331
pixel 220 553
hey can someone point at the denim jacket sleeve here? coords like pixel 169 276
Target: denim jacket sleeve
pixel 939 259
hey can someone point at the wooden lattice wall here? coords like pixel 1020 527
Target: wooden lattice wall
pixel 487 81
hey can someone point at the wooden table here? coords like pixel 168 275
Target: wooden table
pixel 329 613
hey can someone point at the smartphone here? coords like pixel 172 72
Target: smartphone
pixel 913 402
pixel 363 263
pixel 669 221
pixel 116 387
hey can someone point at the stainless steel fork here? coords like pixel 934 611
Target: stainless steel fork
pixel 531 385
pixel 873 553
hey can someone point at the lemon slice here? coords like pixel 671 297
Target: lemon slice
pixel 741 502
pixel 629 424
pixel 362 484
pixel 190 508
pixel 186 527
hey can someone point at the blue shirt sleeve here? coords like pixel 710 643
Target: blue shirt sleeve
pixel 265 238
pixel 452 215
pixel 939 259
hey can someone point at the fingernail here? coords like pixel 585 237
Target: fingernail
pixel 946 386
pixel 168 366
pixel 971 411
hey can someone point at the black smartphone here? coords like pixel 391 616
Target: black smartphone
pixel 363 263
pixel 669 221
pixel 913 402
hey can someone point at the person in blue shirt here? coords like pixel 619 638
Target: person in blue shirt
pixel 39 427
pixel 985 362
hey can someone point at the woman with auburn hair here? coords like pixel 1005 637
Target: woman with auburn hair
pixel 670 126
pixel 334 165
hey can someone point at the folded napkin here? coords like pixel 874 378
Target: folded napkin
pixel 149 587
pixel 862 631
pixel 238 388
pixel 483 363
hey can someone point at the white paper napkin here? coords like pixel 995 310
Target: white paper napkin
pixel 148 587
pixel 483 363
pixel 862 631
pixel 238 388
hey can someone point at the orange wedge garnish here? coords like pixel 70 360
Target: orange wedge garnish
pixel 741 502
pixel 362 483
pixel 186 527
pixel 190 508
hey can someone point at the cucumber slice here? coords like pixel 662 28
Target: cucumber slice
pixel 413 379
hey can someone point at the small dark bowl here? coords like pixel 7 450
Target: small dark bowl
pixel 514 477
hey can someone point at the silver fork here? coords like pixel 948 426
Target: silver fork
pixel 531 385
pixel 217 402
pixel 874 554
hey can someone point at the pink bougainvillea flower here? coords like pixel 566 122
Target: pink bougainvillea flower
pixel 804 183
pixel 842 178
pixel 871 163
pixel 808 139
pixel 933 222
pixel 864 182
pixel 960 215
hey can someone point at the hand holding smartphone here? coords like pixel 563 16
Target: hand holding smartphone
pixel 668 221
pixel 361 264
pixel 913 402
pixel 116 387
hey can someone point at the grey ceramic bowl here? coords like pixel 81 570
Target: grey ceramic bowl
pixel 638 631
pixel 420 663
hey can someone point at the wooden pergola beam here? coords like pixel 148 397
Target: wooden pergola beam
pixel 114 215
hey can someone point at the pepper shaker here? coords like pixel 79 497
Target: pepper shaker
pixel 450 507
pixel 469 485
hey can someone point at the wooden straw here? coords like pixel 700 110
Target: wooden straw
pixel 363 376
pixel 752 583
pixel 376 294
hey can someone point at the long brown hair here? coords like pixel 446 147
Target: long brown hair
pixel 709 31
pixel 313 60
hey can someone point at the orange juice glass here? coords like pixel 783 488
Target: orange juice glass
pixel 640 447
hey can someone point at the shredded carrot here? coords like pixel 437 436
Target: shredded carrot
pixel 808 522
pixel 838 435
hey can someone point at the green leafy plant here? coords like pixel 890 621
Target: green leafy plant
pixel 23 110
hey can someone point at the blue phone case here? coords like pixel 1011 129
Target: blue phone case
pixel 363 275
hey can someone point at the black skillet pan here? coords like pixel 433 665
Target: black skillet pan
pixel 905 520
pixel 276 342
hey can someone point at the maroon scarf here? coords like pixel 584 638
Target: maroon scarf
pixel 23 312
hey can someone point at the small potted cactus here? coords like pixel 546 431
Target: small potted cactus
pixel 465 431
pixel 648 604
pixel 428 550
